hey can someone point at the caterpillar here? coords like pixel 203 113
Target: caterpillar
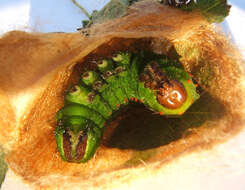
pixel 153 80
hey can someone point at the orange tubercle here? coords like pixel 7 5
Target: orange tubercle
pixel 131 98
pixel 126 100
pixel 189 81
pixel 161 113
pixel 141 101
pixel 118 105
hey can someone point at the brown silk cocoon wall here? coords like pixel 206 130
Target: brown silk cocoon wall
pixel 36 70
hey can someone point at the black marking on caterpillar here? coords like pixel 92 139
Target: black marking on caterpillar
pixel 160 84
pixel 178 2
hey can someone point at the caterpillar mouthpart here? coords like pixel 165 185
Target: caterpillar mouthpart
pixel 73 145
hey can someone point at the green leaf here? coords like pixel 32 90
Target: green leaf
pixel 3 166
pixel 113 9
pixel 212 10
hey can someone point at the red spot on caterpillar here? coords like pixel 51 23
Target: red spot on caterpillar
pixel 196 85
pixel 132 99
pixel 118 105
pixel 161 113
pixel 136 100
pixel 189 81
pixel 141 101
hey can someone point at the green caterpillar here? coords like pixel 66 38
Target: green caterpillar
pixel 153 80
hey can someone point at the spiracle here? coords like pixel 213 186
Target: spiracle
pixel 160 84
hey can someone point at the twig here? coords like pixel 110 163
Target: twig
pixel 82 9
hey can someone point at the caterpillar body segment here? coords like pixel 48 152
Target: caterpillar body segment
pixel 105 65
pixel 160 84
pixel 123 60
pixel 82 111
pixel 109 96
pixel 117 89
pixel 106 69
pixel 82 95
pixel 134 76
pixel 147 97
pixel 124 79
pixel 102 89
pixel 90 78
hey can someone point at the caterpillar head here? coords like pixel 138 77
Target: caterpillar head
pixel 171 94
pixel 171 86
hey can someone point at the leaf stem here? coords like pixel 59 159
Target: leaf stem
pixel 82 8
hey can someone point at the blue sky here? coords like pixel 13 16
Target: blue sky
pixel 61 15
pixel 44 15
